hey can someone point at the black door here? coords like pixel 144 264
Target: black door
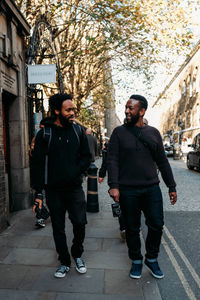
pixel 6 101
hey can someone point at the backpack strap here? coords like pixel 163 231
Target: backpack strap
pixel 47 135
pixel 77 130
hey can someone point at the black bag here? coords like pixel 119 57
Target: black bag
pixel 42 213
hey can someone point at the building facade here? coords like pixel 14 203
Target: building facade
pixel 177 109
pixel 14 159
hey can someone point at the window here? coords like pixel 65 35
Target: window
pixel 197 82
pixel 198 115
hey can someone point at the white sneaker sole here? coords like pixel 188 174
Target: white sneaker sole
pixel 60 275
pixel 154 275
pixel 135 276
pixel 81 271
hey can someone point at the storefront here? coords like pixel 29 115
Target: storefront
pixel 14 160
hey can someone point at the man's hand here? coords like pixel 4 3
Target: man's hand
pixel 173 197
pixel 100 179
pixel 114 193
pixel 39 201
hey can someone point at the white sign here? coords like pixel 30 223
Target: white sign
pixel 41 74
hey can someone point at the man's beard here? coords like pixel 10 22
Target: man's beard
pixel 64 121
pixel 134 120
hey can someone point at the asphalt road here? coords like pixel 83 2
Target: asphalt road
pixel 180 248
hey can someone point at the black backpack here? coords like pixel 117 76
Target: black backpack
pixel 47 136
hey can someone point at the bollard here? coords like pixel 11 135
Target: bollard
pixel 92 189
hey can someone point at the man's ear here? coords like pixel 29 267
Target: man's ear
pixel 57 112
pixel 142 112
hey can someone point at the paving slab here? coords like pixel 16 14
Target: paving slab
pixel 26 295
pixel 46 242
pixel 26 256
pixel 76 296
pixel 114 245
pixel 91 282
pixel 103 223
pixel 93 244
pixel 11 276
pixel 98 232
pixel 31 276
pixel 107 260
pixel 127 286
pixel 149 286
pixel 4 251
pixel 18 241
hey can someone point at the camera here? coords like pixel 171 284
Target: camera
pixel 41 213
pixel 116 210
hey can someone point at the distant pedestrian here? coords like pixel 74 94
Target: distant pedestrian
pixel 102 174
pixel 103 168
pixel 185 149
pixel 57 168
pixel 134 151
pixel 92 141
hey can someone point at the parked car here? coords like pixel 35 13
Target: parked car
pixel 168 150
pixel 193 157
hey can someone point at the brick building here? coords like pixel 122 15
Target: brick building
pixel 14 160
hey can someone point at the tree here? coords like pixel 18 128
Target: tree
pixel 89 34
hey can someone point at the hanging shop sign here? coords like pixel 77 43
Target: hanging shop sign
pixel 41 74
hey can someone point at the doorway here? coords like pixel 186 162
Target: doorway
pixel 7 99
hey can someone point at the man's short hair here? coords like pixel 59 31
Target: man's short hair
pixel 143 101
pixel 55 101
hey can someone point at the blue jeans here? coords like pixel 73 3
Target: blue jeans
pixel 148 200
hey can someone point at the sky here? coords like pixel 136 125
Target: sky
pixel 127 83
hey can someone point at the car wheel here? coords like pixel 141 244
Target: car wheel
pixel 188 164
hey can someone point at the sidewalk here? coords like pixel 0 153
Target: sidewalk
pixel 28 260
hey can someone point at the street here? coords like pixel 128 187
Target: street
pixel 180 252
pixel 28 258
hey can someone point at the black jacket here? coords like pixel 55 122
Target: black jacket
pixel 68 158
pixel 92 141
pixel 132 163
pixel 103 168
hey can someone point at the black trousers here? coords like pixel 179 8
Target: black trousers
pixel 58 203
pixel 149 200
pixel 122 224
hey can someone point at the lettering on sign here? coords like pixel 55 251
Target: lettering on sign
pixel 41 74
pixel 9 82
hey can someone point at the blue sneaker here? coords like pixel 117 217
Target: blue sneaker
pixel 136 269
pixel 62 271
pixel 80 265
pixel 153 266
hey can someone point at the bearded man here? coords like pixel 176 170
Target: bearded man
pixel 58 166
pixel 135 152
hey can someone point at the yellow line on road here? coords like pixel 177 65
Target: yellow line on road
pixel 184 258
pixel 179 272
